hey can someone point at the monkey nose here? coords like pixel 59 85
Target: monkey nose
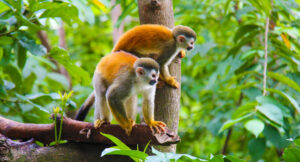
pixel 152 82
pixel 189 48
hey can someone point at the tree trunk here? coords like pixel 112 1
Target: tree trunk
pixel 167 99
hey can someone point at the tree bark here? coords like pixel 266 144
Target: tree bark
pixel 167 99
pixel 84 132
pixel 73 152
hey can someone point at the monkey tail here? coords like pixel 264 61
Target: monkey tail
pixel 84 109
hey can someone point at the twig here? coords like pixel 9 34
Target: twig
pixel 224 149
pixel 266 54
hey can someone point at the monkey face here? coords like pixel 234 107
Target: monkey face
pixel 185 42
pixel 148 76
pixel 190 44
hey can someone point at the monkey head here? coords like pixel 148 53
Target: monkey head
pixel 147 70
pixel 185 37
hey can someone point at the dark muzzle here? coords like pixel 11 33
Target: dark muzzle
pixel 152 82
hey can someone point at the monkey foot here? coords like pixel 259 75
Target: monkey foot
pixel 157 126
pixel 98 123
pixel 172 81
pixel 128 127
pixel 182 54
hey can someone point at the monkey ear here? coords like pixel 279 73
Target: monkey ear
pixel 180 38
pixel 140 71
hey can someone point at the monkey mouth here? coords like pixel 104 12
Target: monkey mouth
pixel 152 82
pixel 189 48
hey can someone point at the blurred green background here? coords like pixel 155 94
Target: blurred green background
pixel 222 78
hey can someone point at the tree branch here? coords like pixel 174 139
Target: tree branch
pixel 84 132
pixel 266 53
pixel 28 151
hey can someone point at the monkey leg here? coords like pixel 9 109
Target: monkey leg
pixel 102 114
pixel 148 112
pixel 116 98
pixel 170 80
pixel 131 107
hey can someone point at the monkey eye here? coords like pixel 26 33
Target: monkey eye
pixel 140 71
pixel 192 43
pixel 153 75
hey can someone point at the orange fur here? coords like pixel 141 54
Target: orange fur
pixel 110 65
pixel 145 40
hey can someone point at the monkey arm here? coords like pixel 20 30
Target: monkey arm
pixel 148 106
pixel 165 76
pixel 148 111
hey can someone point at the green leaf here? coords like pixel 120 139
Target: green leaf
pixel 28 83
pixel 61 79
pixel 1 52
pixel 116 141
pixel 217 158
pixel 297 142
pixel 255 126
pixel 21 56
pixel 14 73
pixel 262 5
pixel 65 11
pixel 285 80
pixel 230 123
pixel 244 109
pixel 5 40
pixel 257 148
pixel 31 46
pixel 3 7
pixel 131 153
pixel 270 100
pixel 273 135
pixel 233 159
pixel 272 112
pixel 288 97
pixel 2 88
pixel 245 40
pixel 291 154
pixel 62 56
pixel 245 29
pixel 23 98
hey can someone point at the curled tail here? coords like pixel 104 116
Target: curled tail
pixel 84 109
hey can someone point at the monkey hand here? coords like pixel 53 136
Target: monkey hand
pixel 157 126
pixel 98 123
pixel 182 54
pixel 128 126
pixel 172 81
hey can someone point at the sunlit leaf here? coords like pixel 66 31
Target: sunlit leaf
pixel 288 97
pixel 285 80
pixel 230 123
pixel 272 112
pixel 254 126
pixel 116 141
pixel 130 153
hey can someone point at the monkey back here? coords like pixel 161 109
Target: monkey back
pixel 110 65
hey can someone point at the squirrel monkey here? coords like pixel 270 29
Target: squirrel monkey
pixel 117 80
pixel 155 41
pixel 159 43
